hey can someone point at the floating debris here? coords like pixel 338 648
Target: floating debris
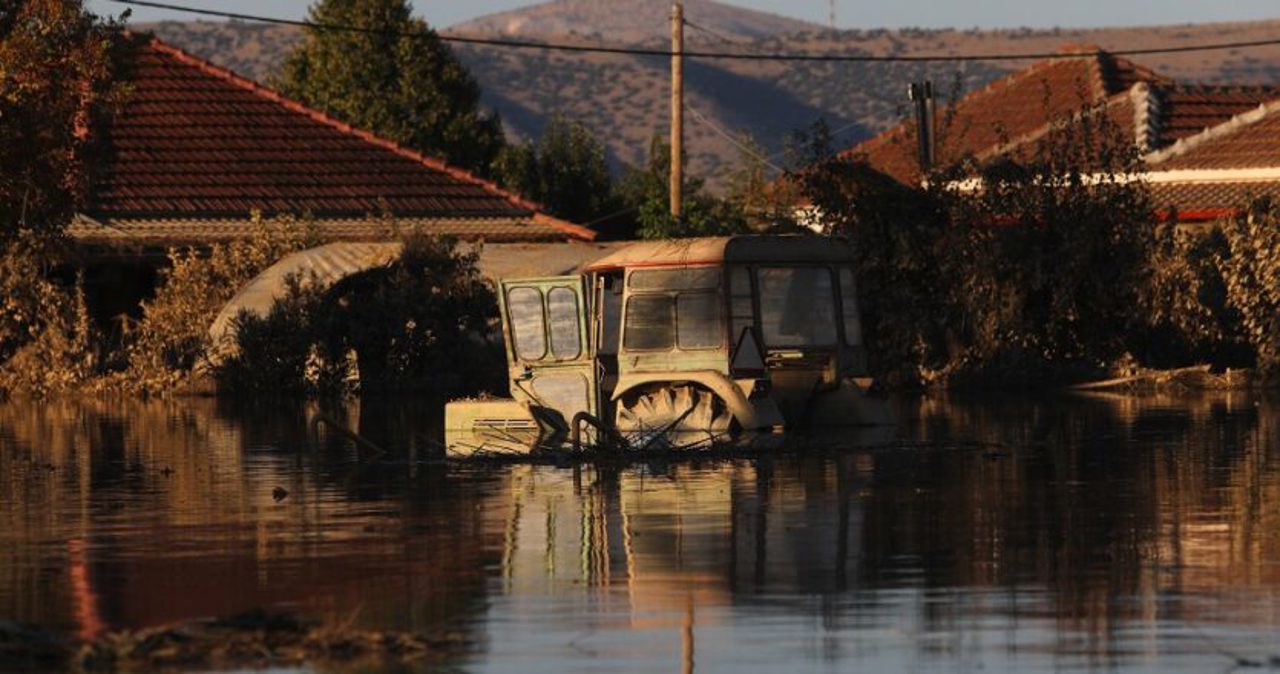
pixel 1195 378
pixel 252 640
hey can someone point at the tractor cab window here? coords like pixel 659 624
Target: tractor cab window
pixel 528 323
pixel 545 325
pixel 650 323
pixel 674 308
pixel 797 306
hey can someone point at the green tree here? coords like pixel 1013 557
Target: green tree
pixel 55 77
pixel 565 171
pixel 394 77
pixel 647 191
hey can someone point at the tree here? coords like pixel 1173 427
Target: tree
pixel 1043 272
pixel 55 67
pixel 647 191
pixel 55 79
pixel 394 77
pixel 565 171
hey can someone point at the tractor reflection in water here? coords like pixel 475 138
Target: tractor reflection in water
pixel 711 337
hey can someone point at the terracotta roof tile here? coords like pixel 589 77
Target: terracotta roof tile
pixel 196 143
pixel 1215 198
pixel 1006 109
pixel 1012 113
pixel 1243 143
pixel 1184 111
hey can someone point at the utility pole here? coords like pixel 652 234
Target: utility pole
pixel 677 109
pixel 833 14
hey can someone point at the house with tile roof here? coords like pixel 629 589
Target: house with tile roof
pixel 196 149
pixel 1010 116
pixel 1216 172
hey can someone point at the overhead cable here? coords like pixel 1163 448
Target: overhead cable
pixel 746 149
pixel 637 51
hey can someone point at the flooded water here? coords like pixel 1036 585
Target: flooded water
pixel 1058 533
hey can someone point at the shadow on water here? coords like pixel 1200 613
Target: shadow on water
pixel 1020 533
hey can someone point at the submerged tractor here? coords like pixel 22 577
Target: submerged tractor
pixel 715 336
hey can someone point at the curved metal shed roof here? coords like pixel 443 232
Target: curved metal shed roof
pixel 722 249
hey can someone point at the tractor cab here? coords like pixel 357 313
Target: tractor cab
pixel 715 335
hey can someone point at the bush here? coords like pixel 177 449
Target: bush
pixel 427 323
pixel 1248 262
pixel 46 338
pixel 1038 275
pixel 173 335
pixel 276 354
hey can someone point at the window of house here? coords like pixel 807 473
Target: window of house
pixel 797 306
pixel 528 324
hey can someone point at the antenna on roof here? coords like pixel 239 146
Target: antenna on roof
pixel 833 14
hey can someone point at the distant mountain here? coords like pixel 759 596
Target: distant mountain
pixel 635 21
pixel 624 98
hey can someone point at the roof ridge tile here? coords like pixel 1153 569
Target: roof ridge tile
pixel 1234 125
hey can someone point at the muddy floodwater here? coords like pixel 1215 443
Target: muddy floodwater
pixel 998 534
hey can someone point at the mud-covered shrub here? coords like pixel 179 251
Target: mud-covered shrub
pixel 1187 313
pixel 47 342
pixel 1249 266
pixel 172 335
pixel 426 323
pixel 278 354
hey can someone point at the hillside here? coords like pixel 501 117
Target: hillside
pixel 624 98
pixel 643 21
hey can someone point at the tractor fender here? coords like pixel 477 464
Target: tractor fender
pixel 749 414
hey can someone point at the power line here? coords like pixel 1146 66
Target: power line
pixel 713 33
pixel 750 151
pixel 633 51
pixel 610 216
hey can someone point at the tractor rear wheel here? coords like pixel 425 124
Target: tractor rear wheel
pixel 678 408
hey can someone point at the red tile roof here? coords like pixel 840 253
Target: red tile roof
pixel 1011 107
pixel 1221 169
pixel 195 142
pixel 1186 110
pixel 1013 113
pixel 1210 200
pixel 1251 140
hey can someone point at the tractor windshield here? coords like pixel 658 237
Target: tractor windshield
pixel 797 306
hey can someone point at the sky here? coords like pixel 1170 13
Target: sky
pixel 849 13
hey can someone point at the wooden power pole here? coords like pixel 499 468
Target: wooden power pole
pixel 677 110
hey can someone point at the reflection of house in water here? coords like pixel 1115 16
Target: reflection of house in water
pixel 145 513
pixel 1082 519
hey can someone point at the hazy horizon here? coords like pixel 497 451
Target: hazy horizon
pixel 849 13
